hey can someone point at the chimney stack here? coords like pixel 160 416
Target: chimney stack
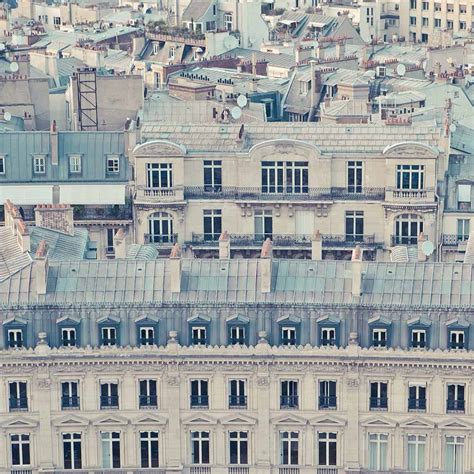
pixel 120 246
pixel 340 50
pixel 53 144
pixel 224 246
pixel 175 269
pixel 266 266
pixel 316 247
pixel 421 241
pixel 357 271
pixel 41 267
pixel 22 235
pixel 58 217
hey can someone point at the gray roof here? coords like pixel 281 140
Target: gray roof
pixel 238 281
pixel 196 10
pixel 12 259
pixel 60 246
pixel 93 146
pixel 462 139
pixel 329 138
pixel 142 252
pixel 277 60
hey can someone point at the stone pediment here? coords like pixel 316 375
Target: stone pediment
pixel 381 421
pixel 151 420
pixel 199 420
pixel 19 422
pixel 455 424
pixel 111 420
pixel 71 420
pixel 410 150
pixel 417 423
pixel 159 148
pixel 328 421
pixel 238 420
pixel 289 420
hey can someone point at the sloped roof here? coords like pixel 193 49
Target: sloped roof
pixel 60 246
pixel 196 10
pixel 12 259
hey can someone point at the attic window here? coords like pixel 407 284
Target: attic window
pixel 156 48
pixel 305 87
pixel 75 164
pixel 39 164
pixel 171 53
pixel 2 164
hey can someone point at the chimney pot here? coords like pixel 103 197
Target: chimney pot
pixel 357 271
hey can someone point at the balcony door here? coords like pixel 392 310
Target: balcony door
pixel 407 229
pixel 160 228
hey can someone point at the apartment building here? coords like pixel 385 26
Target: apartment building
pixel 374 185
pixel 236 366
pixel 379 19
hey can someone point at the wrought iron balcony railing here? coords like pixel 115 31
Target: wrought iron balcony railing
pixel 109 401
pixel 237 401
pixel 148 401
pixel 455 405
pixel 378 403
pixel 453 239
pixel 289 401
pixel 327 402
pixel 199 401
pixel 417 403
pixel 165 239
pixel 70 403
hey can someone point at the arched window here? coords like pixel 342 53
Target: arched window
pixel 160 228
pixel 407 229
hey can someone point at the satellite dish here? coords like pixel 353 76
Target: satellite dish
pixel 14 67
pixel 2 46
pixel 427 248
pixel 236 113
pixel 7 116
pixel 401 69
pixel 230 42
pixel 452 127
pixel 242 101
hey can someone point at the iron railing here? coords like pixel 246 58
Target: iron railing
pixel 327 402
pixel 289 401
pixel 18 403
pixel 148 401
pixel 111 401
pixel 237 401
pixel 417 404
pixel 166 239
pixel 378 403
pixel 199 401
pixel 406 239
pixel 455 405
pixel 453 239
pixel 70 403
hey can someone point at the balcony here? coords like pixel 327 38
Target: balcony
pixel 238 470
pixel 277 193
pixel 161 240
pixel 455 406
pixel 453 240
pixel 327 470
pixel 417 404
pixel 327 341
pixel 418 344
pixel 410 196
pixel 68 342
pixel 237 401
pixel 70 403
pixel 288 470
pixel 112 213
pixel 107 402
pixel 378 403
pixel 406 239
pixel 148 401
pixel 199 401
pixel 147 341
pixel 200 470
pixel 378 343
pixel 148 195
pixel 457 345
pixel 18 404
pixel 288 401
pixel 327 402
pixel 288 341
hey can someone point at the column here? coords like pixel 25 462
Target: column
pixel 173 445
pixel 262 431
pixel 44 441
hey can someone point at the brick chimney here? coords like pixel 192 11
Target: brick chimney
pixel 22 235
pixel 40 266
pixel 53 144
pixel 316 246
pixel 58 217
pixel 224 246
pixel 175 269
pixel 357 271
pixel 266 267
pixel 120 244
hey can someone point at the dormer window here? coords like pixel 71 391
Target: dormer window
pixel 39 164
pixel 156 48
pixel 2 165
pixel 171 53
pixel 75 164
pixel 113 164
pixel 15 338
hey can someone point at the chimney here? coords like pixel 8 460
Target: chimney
pixel 11 214
pixel 53 144
pixel 175 269
pixel 340 50
pixel 421 240
pixel 316 247
pixel 224 246
pixel 120 246
pixel 41 267
pixel 58 217
pixel 320 53
pixel 469 255
pixel 357 271
pixel 22 235
pixel 266 267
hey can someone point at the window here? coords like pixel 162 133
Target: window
pixel 212 224
pixel 457 338
pixel 56 20
pixel 449 24
pixel 425 6
pixel 378 447
pixel 327 395
pixel 39 165
pixel 424 22
pixel 416 445
pixel 280 177
pixel 413 20
pixel 228 21
pixel 20 449
pixel 378 396
pixel 212 176
pixel 418 338
pixel 410 177
pixel 354 226
pixel 18 396
pixel 437 7
pixel 437 22
pixel 238 447
pixel 462 9
pixel 200 447
pixel 15 338
pixel 198 335
pixel 379 337
pixel 327 449
pixel 160 228
pixel 328 336
pixel 454 456
pixel 199 394
pixel 455 401
pixel 109 395
pixel 417 397
pixel 462 25
pixel 407 229
pixel 68 337
pixel 289 394
pixel 413 4
pixel 289 447
pixel 70 396
pixel 263 225
pixel 110 441
pixel 464 196
pixel 148 396
pixel 2 165
pixel 237 334
pixel 463 229
pixel 113 164
pixel 149 449
pixel 171 53
pixel 237 397
pixel 108 335
pixel 288 336
pixel 75 164
pixel 147 336
pixel 72 451
pixel 450 8
pixel 354 176
pixel 159 175
pixel 110 247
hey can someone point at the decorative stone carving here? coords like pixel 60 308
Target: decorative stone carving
pixel 160 149
pixel 44 384
pixel 173 380
pixel 263 381
pixel 352 383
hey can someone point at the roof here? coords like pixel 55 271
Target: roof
pixel 196 10
pixel 142 252
pixel 238 281
pixel 12 259
pixel 282 60
pixel 329 138
pixel 60 246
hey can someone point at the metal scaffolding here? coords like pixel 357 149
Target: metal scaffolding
pixel 87 99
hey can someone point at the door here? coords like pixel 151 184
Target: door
pixel 304 223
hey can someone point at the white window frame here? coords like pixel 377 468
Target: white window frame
pixel 200 437
pixel 110 437
pixel 379 440
pixel 328 331
pixel 2 164
pixel 71 438
pixel 163 173
pixel 39 164
pixel 290 332
pixel 109 330
pixel 113 164
pixel 68 332
pixel 239 437
pixel 328 438
pixel 148 330
pixel 411 170
pixel 377 334
pixel 150 437
pixel 198 332
pixel 21 442
pixel 458 442
pixel 75 164
pixel 15 332
pixel 288 438
pixel 417 440
pixel 237 331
